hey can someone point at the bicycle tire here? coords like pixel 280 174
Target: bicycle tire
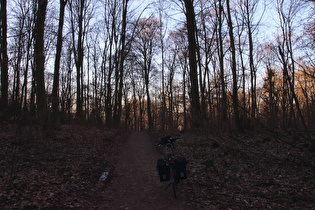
pixel 175 190
pixel 174 180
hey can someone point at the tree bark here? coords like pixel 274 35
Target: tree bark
pixel 233 50
pixel 251 62
pixel 39 60
pixel 4 60
pixel 78 50
pixel 297 104
pixel 221 62
pixel 55 92
pixel 191 26
pixel 122 60
pixel 163 107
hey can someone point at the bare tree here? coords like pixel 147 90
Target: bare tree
pixel 179 46
pixel 267 53
pixel 4 58
pixel 162 36
pixel 118 105
pixel 66 83
pixel 55 92
pixel 21 12
pixel 111 52
pixel 81 13
pixel 249 8
pixel 191 28
pixel 171 62
pixel 39 60
pixel 234 71
pixel 287 13
pixel 146 43
pixel 220 19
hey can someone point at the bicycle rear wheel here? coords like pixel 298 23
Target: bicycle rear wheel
pixel 175 189
pixel 173 180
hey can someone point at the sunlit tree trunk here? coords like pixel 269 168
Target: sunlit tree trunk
pixel 297 104
pixel 270 80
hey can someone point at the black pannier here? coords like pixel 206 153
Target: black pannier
pixel 163 169
pixel 180 163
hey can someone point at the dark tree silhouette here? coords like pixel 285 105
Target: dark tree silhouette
pixel 55 93
pixel 4 58
pixel 191 26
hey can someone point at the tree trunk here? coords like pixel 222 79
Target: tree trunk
pixel 243 80
pixel 184 91
pixel 79 63
pixel 147 66
pixel 297 104
pixel 191 26
pixel 251 63
pixel 33 92
pixel 55 92
pixel 233 50
pixel 78 51
pixel 39 60
pixel 221 63
pixel 16 100
pixel 122 60
pixel 134 104
pixel 4 59
pixel 163 107
pixel 271 113
pixel 28 55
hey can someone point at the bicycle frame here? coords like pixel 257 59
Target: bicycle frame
pixel 171 161
pixel 174 180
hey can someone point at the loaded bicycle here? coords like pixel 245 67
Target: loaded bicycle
pixel 171 168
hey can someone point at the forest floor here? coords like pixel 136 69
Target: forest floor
pixel 260 170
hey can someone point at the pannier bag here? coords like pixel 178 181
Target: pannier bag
pixel 163 169
pixel 180 163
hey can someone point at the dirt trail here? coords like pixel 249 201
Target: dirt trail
pixel 135 183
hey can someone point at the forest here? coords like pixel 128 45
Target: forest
pixel 89 85
pixel 124 64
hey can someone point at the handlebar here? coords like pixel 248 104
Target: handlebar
pixel 167 139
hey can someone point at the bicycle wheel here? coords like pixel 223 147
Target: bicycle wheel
pixel 175 189
pixel 173 180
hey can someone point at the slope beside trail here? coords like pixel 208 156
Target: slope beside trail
pixel 135 183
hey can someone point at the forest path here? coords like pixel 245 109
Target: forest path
pixel 135 183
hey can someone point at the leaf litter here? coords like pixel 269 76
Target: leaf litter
pixel 59 173
pixel 252 170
